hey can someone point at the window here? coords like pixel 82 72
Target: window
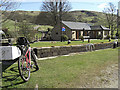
pixel 85 33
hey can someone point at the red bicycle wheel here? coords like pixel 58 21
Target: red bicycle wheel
pixel 24 68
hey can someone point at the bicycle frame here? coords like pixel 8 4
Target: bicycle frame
pixel 28 58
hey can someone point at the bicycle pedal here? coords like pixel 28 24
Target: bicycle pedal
pixel 32 66
pixel 28 69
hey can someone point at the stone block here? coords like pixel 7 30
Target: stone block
pixel 63 50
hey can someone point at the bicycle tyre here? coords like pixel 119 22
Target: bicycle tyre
pixel 33 58
pixel 22 68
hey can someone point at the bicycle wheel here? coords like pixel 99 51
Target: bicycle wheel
pixel 33 57
pixel 24 68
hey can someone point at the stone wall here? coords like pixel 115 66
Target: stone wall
pixel 64 50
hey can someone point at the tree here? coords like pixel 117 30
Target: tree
pixel 26 30
pixel 56 10
pixel 111 18
pixel 7 5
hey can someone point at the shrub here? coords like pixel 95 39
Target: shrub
pixel 48 37
pixel 64 37
pixel 12 34
pixel 112 37
pixel 99 36
pixel 108 36
pixel 26 29
pixel 81 37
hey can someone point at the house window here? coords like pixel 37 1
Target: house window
pixel 56 33
pixel 85 33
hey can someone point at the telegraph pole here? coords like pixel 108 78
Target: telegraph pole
pixel 117 34
pixel 60 18
pixel 117 19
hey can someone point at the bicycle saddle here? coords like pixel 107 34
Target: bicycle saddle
pixel 22 41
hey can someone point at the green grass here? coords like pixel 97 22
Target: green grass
pixel 9 24
pixel 63 72
pixel 49 44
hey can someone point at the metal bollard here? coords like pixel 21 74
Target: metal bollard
pixel 90 47
pixel 114 44
pixel 69 41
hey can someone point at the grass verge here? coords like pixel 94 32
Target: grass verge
pixel 63 72
pixel 54 43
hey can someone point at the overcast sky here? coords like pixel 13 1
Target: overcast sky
pixel 91 5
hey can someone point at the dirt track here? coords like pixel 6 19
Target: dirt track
pixel 109 78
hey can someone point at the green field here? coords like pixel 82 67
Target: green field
pixel 54 43
pixel 10 24
pixel 92 17
pixel 64 71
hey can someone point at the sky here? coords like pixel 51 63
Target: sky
pixel 90 5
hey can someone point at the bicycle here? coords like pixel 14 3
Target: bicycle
pixel 27 55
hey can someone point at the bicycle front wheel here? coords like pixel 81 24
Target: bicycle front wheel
pixel 24 68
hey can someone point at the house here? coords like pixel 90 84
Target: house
pixel 76 29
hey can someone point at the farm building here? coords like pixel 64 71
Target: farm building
pixel 74 30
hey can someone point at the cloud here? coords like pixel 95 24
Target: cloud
pixel 19 0
pixel 93 0
pixel 29 0
pixel 70 0
pixel 103 5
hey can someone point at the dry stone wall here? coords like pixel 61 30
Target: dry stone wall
pixel 64 50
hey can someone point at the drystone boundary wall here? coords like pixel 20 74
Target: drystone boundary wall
pixel 64 50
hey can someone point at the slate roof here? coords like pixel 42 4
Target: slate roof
pixel 99 27
pixel 81 26
pixel 104 28
pixel 77 25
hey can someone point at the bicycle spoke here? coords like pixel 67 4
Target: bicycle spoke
pixel 24 68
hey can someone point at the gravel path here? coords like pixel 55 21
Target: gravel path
pixel 109 77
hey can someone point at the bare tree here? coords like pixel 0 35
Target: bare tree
pixel 56 9
pixel 5 6
pixel 26 29
pixel 110 16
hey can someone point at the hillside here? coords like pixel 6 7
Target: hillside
pixel 96 18
pixel 19 16
pixel 92 17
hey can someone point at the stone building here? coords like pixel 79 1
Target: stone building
pixel 76 29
